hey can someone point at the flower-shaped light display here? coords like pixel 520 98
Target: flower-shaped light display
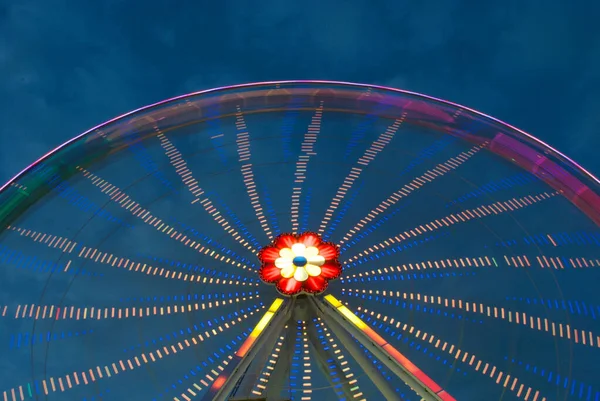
pixel 299 263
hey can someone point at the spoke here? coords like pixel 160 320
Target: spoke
pixel 126 202
pixel 206 381
pixel 514 261
pixel 208 377
pixel 306 151
pixel 341 367
pixel 265 375
pixel 351 344
pixel 18 186
pixel 479 262
pixel 565 331
pixel 495 208
pixel 501 378
pixel 548 374
pixel 181 168
pixel 438 171
pixel 402 366
pixel 97 256
pixel 303 381
pixel 243 142
pixel 430 151
pixel 206 328
pixel 279 382
pixel 584 238
pixel 75 198
pixel 369 156
pixel 58 312
pixel 96 373
pixel 493 186
pixel 556 262
pixel 145 159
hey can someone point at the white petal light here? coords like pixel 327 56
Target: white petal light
pixel 300 274
pixel 317 260
pixel 313 270
pixel 288 272
pixel 298 249
pixel 286 253
pixel 283 263
pixel 311 251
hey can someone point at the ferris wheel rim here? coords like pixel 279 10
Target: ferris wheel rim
pixel 422 96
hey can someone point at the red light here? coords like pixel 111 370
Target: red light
pixel 445 396
pixel 219 382
pixel 245 347
pixel 285 264
pixel 374 336
pixel 408 365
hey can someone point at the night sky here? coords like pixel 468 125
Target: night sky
pixel 67 65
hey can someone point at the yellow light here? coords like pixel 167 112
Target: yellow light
pixel 267 317
pixel 333 301
pixel 276 305
pixel 347 313
pixel 355 320
pixel 263 322
pixel 390 350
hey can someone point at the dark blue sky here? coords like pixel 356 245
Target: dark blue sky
pixel 67 65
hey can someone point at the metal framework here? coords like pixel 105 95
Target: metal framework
pixel 242 373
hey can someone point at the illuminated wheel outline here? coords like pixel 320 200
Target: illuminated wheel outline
pixel 572 182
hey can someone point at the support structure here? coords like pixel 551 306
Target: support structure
pixel 385 352
pixel 282 367
pixel 274 320
pixel 344 336
pixel 322 357
pixel 242 372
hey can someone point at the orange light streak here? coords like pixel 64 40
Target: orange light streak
pixel 388 348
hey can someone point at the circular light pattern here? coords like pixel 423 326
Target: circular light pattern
pixel 299 263
pixel 421 235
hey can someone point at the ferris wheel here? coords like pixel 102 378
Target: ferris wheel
pixel 301 240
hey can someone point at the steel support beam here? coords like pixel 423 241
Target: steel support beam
pixel 266 335
pixel 334 311
pixel 322 356
pixel 279 379
pixel 343 334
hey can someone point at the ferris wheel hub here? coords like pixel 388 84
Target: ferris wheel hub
pixel 299 263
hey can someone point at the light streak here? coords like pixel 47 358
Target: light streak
pixel 388 348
